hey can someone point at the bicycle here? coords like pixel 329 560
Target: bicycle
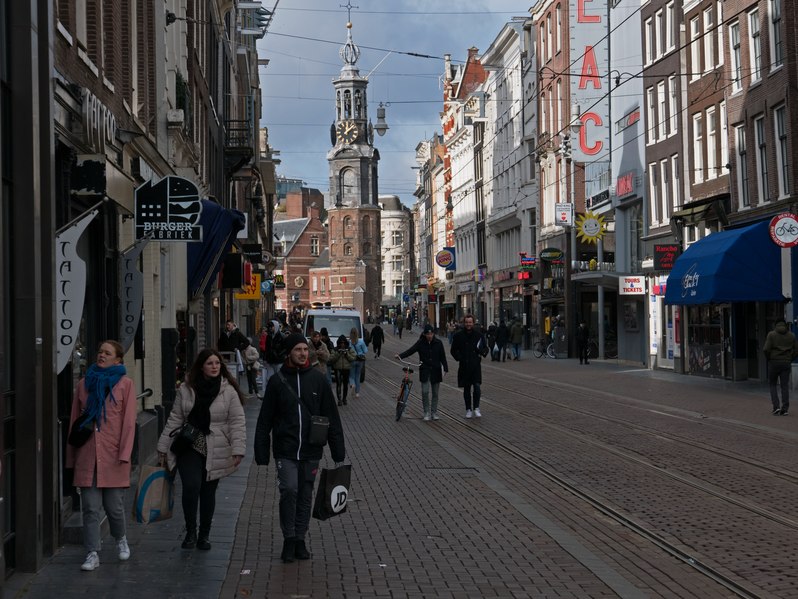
pixel 544 348
pixel 404 388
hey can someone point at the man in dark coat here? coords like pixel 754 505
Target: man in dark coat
pixel 468 348
pixel 377 338
pixel 503 339
pixel 433 358
pixel 232 338
pixel 287 419
pixel 582 339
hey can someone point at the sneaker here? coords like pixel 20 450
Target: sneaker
pixel 426 416
pixel 124 549
pixel 468 413
pixel 435 416
pixel 92 562
pixel 477 413
pixel 785 411
pixel 776 411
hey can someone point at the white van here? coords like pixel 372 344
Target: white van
pixel 337 321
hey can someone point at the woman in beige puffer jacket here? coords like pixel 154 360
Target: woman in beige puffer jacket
pixel 210 400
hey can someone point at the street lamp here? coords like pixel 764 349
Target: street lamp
pixel 575 127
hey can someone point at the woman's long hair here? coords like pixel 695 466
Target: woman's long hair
pixel 353 335
pixel 196 370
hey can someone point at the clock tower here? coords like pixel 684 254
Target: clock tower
pixel 354 217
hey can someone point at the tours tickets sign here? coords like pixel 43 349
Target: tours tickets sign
pixel 169 210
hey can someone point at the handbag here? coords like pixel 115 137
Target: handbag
pixel 319 425
pixel 81 431
pixel 155 495
pixel 331 498
pixel 184 438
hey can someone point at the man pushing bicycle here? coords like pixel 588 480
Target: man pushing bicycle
pixel 432 356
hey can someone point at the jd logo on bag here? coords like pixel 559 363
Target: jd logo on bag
pixel 333 492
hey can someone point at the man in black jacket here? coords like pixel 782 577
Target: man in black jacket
pixel 432 357
pixel 287 419
pixel 232 338
pixel 469 346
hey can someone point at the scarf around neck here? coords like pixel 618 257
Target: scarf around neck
pixel 99 384
pixel 205 391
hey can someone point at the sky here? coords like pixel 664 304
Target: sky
pixel 302 46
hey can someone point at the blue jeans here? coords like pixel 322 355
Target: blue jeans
pixel 295 480
pixel 517 350
pixel 425 389
pixel 354 375
pixel 112 500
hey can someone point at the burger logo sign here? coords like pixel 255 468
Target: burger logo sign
pixel 445 258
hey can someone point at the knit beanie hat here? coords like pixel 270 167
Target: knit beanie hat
pixel 293 340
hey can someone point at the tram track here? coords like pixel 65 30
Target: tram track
pixel 676 549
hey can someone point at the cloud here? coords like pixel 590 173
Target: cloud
pixel 302 46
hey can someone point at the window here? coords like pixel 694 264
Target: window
pixel 698 148
pixel 781 150
pixel 721 52
pixel 397 288
pixel 653 196
pixel 709 40
pixel 742 166
pixel 670 24
pixel 650 118
pixel 558 107
pixel 397 263
pixel 543 116
pixel 695 47
pixel 724 136
pixel 347 226
pixel 776 45
pixel 543 42
pixel 324 284
pixel 736 58
pixel 659 33
pixel 761 159
pixel 662 115
pixel 558 25
pixel 675 195
pixel 396 237
pixel 347 250
pixel 712 151
pixel 548 35
pixel 649 41
pixel 314 245
pixel 314 285
pixel 754 46
pixel 674 104
pixel 665 188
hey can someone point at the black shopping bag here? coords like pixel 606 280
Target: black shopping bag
pixel 333 492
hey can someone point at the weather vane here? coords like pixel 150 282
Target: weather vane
pixel 348 6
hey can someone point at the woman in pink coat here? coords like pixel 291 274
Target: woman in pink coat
pixel 102 464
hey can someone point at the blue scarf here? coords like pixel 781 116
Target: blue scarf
pixel 99 383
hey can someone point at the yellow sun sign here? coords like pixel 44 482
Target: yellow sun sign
pixel 590 227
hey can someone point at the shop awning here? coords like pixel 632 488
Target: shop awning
pixel 219 229
pixel 738 265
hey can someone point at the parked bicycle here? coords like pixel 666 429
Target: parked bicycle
pixel 404 388
pixel 610 348
pixel 544 348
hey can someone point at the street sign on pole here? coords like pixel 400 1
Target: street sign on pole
pixel 564 214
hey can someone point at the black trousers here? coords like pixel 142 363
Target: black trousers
pixel 341 384
pixel 196 490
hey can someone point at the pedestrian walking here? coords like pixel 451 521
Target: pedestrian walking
pixel 319 355
pixel 468 348
pixel 275 352
pixel 325 338
pixel 582 339
pixel 377 339
pixel 399 325
pixel 516 337
pixel 341 362
pixel 297 392
pixel 780 349
pixel 251 357
pixel 432 357
pixel 451 328
pixel 210 401
pixel 232 338
pixel 502 339
pixel 360 358
pixel 107 399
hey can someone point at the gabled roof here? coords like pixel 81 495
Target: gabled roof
pixel 290 230
pixel 323 261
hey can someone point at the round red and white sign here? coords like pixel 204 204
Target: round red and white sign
pixel 784 230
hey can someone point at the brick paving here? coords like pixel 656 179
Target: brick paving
pixel 437 511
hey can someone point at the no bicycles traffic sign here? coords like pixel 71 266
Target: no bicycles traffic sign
pixel 784 230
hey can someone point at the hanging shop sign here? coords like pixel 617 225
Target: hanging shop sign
pixel 169 210
pixel 446 258
pixel 665 256
pixel 784 230
pixel 633 285
pixel 590 227
pixel 131 293
pixel 551 254
pixel 251 290
pixel 564 214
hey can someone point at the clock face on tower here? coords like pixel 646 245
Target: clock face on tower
pixel 346 132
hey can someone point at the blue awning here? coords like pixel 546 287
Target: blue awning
pixel 219 229
pixel 738 265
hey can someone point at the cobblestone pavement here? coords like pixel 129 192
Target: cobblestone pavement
pixel 460 508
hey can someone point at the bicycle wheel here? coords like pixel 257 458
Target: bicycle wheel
pixel 401 401
pixel 550 351
pixel 538 349
pixel 592 350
